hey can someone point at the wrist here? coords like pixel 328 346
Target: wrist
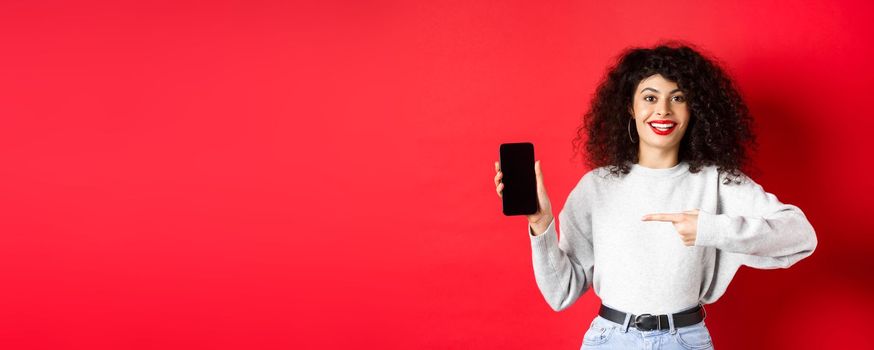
pixel 540 225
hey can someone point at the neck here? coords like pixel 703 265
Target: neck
pixel 658 158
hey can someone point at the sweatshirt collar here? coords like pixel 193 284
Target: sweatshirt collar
pixel 681 168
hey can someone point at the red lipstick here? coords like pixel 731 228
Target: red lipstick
pixel 660 131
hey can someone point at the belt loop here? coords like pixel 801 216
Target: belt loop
pixel 625 323
pixel 671 322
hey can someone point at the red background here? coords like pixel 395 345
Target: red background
pixel 275 175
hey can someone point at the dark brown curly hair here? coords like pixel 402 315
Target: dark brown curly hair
pixel 720 126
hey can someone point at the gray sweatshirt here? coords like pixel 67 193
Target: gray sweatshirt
pixel 643 266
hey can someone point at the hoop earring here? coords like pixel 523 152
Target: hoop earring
pixel 629 130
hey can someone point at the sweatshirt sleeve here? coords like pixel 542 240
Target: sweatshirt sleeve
pixel 767 233
pixel 563 268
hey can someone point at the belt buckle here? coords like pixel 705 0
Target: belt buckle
pixel 638 323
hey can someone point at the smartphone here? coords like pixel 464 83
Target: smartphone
pixel 519 195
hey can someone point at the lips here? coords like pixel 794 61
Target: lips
pixel 662 126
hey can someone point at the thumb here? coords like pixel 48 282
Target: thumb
pixel 538 173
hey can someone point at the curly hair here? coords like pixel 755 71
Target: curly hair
pixel 720 126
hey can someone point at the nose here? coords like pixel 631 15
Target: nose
pixel 663 108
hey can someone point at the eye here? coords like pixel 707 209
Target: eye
pixel 679 98
pixel 649 98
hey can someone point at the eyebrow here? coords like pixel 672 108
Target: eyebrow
pixel 656 91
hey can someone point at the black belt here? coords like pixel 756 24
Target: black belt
pixel 647 322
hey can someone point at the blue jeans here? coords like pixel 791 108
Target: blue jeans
pixel 606 334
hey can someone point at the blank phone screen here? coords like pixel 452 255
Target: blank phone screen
pixel 520 183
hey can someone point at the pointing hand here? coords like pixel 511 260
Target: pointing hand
pixel 686 224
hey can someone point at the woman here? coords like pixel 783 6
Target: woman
pixel 666 215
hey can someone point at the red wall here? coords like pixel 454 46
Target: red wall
pixel 275 175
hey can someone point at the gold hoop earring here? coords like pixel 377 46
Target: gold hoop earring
pixel 629 130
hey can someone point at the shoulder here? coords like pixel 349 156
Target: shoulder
pixel 735 189
pixel 593 181
pixel 735 178
pixel 593 177
pixel 580 198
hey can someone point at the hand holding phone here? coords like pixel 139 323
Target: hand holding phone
pixel 525 194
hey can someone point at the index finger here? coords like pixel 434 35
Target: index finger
pixel 497 165
pixel 662 217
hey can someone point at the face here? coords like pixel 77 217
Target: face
pixel 657 104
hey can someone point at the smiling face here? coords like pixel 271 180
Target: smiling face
pixel 661 114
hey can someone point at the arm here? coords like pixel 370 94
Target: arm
pixel 563 269
pixel 754 222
